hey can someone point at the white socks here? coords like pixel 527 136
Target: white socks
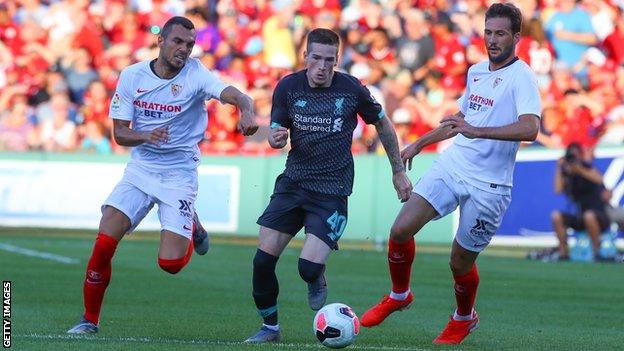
pixel 271 327
pixel 401 296
pixel 463 318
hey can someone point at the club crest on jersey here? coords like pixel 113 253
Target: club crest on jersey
pixel 176 89
pixel 496 82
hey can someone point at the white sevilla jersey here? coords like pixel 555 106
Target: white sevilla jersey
pixel 150 102
pixel 492 99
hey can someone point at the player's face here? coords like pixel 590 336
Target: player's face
pixel 500 41
pixel 176 48
pixel 320 61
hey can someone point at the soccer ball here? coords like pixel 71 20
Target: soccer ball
pixel 336 325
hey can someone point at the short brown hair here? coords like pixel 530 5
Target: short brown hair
pixel 507 11
pixel 322 36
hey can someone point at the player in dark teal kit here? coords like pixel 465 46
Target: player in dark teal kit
pixel 319 107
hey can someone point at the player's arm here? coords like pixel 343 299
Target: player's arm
pixel 442 132
pixel 126 136
pixel 247 122
pixel 525 129
pixel 388 138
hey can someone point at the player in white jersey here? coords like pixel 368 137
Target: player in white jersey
pixel 159 109
pixel 499 109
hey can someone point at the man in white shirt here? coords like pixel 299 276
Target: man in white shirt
pixel 500 107
pixel 159 110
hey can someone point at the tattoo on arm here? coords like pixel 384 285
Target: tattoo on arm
pixel 389 140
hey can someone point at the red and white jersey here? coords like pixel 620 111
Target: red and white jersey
pixel 150 102
pixel 492 99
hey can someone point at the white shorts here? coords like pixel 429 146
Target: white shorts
pixel 480 212
pixel 174 191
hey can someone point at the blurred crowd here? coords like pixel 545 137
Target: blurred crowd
pixel 60 61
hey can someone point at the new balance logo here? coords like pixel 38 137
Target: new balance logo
pixel 300 103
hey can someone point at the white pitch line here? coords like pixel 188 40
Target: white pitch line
pixel 40 254
pixel 201 342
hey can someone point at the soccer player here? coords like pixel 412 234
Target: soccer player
pixel 159 109
pixel 319 107
pixel 500 108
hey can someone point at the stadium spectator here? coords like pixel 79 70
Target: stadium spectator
pixel 17 133
pixel 570 31
pixel 36 35
pixel 415 49
pixel 78 72
pixel 581 183
pixel 94 138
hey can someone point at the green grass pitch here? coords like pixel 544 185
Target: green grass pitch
pixel 524 305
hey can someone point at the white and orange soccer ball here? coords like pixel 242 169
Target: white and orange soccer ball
pixel 336 325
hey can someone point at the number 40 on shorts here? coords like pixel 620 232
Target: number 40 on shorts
pixel 337 223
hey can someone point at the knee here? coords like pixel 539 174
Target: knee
pixel 171 266
pixel 310 271
pixel 264 262
pixel 400 232
pixel 458 266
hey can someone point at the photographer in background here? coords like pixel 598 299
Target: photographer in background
pixel 582 184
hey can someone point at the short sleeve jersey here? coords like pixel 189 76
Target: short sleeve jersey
pixel 150 102
pixel 492 99
pixel 321 123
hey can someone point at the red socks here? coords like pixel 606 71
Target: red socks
pixel 98 276
pixel 400 258
pixel 466 290
pixel 176 265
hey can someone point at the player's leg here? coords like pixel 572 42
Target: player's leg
pixel 432 198
pixel 312 269
pixel 271 244
pixel 465 319
pixel 122 211
pixel 414 214
pixel 281 220
pixel 325 219
pixel 175 251
pixel 175 197
pixel 481 213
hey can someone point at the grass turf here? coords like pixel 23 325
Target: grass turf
pixel 524 305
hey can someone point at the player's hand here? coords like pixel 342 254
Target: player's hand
pixel 402 185
pixel 247 124
pixel 278 137
pixel 408 154
pixel 158 136
pixel 459 125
